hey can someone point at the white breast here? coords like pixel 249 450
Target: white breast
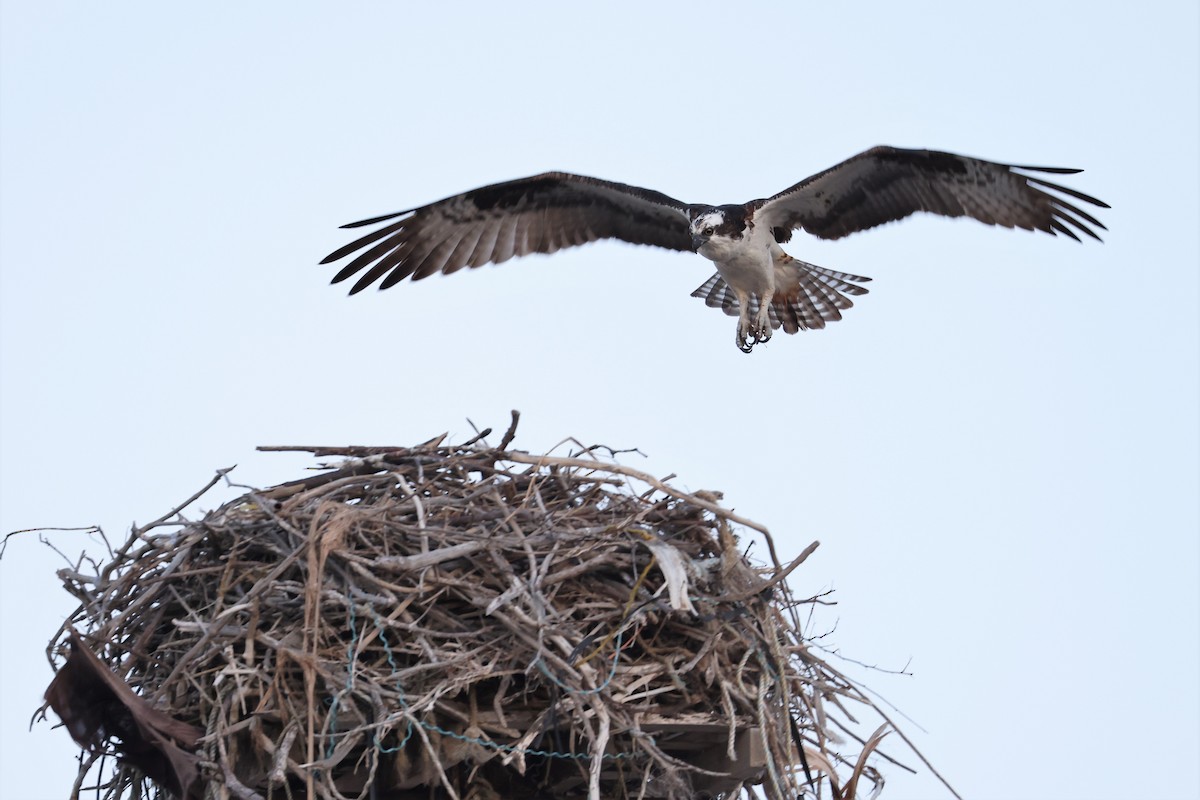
pixel 745 264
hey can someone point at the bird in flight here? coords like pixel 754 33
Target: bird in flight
pixel 756 280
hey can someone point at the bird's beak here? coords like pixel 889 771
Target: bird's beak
pixel 697 240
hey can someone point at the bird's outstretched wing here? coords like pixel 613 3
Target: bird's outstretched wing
pixel 539 214
pixel 887 183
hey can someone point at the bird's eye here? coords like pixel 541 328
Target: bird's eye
pixel 708 231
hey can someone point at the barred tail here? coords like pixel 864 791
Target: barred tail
pixel 807 296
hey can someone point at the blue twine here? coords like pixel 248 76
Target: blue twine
pixel 611 672
pixel 331 720
pixel 391 658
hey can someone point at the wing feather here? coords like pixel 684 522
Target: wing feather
pixel 485 248
pixel 463 251
pixel 539 214
pixel 443 257
pixel 506 240
pixel 367 256
pixel 885 184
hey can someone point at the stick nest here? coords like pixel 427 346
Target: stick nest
pixel 452 621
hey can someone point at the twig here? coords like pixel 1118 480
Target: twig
pixel 511 433
pixel 4 543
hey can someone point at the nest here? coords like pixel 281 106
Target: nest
pixel 453 621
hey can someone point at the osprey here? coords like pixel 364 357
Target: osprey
pixel 755 279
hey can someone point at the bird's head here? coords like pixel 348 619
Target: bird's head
pixel 704 227
pixel 716 230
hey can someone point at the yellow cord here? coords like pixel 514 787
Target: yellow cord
pixel 628 603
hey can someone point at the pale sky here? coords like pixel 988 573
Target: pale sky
pixel 998 447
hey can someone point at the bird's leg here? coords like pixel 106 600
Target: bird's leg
pixel 742 340
pixel 761 329
pixel 745 339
